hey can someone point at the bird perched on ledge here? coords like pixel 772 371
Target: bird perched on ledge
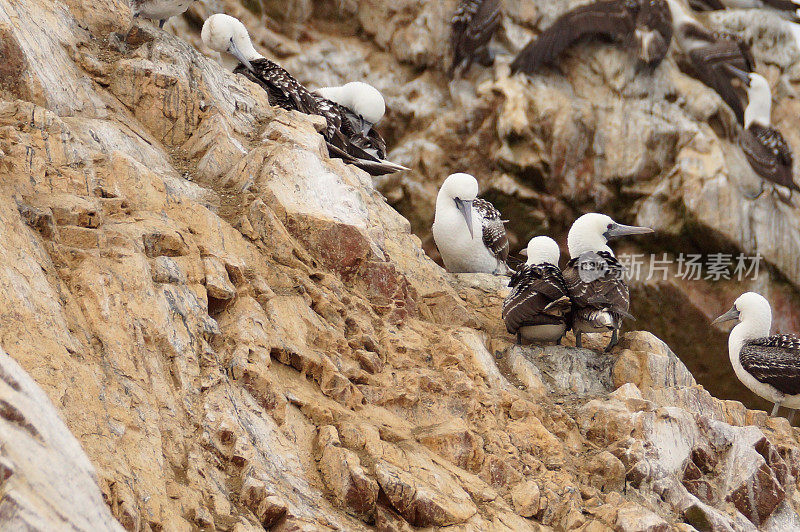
pixel 469 231
pixel 538 308
pixel 226 34
pixel 647 24
pixel 472 27
pixel 595 278
pixel 160 10
pixel 766 150
pixel 363 106
pixel 768 365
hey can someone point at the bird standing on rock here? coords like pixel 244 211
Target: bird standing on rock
pixel 538 308
pixel 160 10
pixel 468 231
pixel 768 365
pixel 363 106
pixel 225 34
pixel 766 150
pixel 594 276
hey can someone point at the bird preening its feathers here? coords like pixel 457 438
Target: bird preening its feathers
pixel 346 133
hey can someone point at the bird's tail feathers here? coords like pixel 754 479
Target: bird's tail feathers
pixel 560 306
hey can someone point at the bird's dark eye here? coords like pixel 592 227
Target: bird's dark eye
pixel 610 226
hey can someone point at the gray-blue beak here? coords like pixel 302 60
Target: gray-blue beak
pixel 235 52
pixel 465 206
pixel 732 314
pixel 618 230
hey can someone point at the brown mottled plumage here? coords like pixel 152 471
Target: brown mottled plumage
pixel 472 27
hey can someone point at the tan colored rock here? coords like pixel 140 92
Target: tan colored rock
pixel 525 497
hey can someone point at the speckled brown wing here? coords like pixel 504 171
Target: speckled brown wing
pixel 494 230
pixel 608 292
pixel 472 26
pixel 538 297
pixel 768 154
pixel 774 360
pixel 611 18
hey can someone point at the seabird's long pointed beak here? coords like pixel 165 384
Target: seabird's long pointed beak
pixel 465 206
pixel 743 76
pixel 524 252
pixel 618 230
pixel 732 314
pixel 365 126
pixel 235 52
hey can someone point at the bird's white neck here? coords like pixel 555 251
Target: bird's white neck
pixel 759 110
pixel 750 328
pixel 581 243
pixel 248 50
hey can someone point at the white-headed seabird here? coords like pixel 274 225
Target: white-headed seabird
pixel 594 277
pixel 765 148
pixel 768 365
pixel 710 53
pixel 469 231
pixel 648 23
pixel 539 308
pixel 160 10
pixel 224 33
pixel 363 106
pixel 472 27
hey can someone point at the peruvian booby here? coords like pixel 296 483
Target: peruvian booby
pixel 710 53
pixel 160 10
pixel 648 23
pixel 595 278
pixel 538 308
pixel 227 34
pixel 363 106
pixel 468 231
pixel 472 26
pixel 768 365
pixel 766 150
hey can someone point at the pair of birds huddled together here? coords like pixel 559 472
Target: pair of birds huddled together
pixel 350 111
pixel 716 58
pixel 589 296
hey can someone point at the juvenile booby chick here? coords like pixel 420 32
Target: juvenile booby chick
pixel 765 148
pixel 643 24
pixel 468 231
pixel 160 10
pixel 710 53
pixel 594 277
pixel 225 34
pixel 538 309
pixel 768 365
pixel 472 27
pixel 363 106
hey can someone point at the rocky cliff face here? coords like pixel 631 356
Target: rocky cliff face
pixel 241 334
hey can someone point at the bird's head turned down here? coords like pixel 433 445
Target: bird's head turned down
pixel 223 33
pixel 592 231
pixel 542 249
pixel 759 97
pixel 361 98
pixel 749 308
pixel 459 190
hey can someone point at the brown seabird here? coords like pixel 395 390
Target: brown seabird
pixel 595 278
pixel 224 33
pixel 768 365
pixel 646 22
pixel 710 53
pixel 472 27
pixel 469 232
pixel 766 150
pixel 538 308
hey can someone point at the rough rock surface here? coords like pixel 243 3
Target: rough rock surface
pixel 242 334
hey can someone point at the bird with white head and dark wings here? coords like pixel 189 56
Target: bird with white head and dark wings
pixel 595 278
pixel 538 308
pixel 766 150
pixel 645 25
pixel 345 141
pixel 472 26
pixel 768 365
pixel 469 231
